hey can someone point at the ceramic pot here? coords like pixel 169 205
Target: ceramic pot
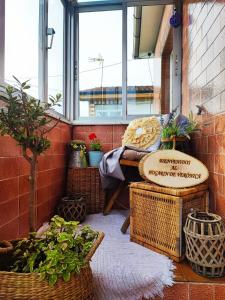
pixel 95 158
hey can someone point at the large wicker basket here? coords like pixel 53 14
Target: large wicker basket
pixel 29 286
pixel 158 215
pixel 87 182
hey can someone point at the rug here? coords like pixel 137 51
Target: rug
pixel 124 270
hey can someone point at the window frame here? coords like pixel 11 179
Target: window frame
pixel 122 5
pixel 42 52
pixel 71 55
pixel 43 55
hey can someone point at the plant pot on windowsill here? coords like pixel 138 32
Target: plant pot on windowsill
pixel 95 158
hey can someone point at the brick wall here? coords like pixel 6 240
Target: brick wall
pixel 109 135
pixel 204 84
pixel 14 185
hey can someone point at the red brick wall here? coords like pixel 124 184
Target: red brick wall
pixel 14 186
pixel 109 135
pixel 204 84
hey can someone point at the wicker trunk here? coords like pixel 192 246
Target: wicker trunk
pixel 158 215
pixel 87 181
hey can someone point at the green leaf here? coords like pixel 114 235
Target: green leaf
pixel 66 276
pixel 42 276
pixel 17 80
pixel 52 279
pixel 64 246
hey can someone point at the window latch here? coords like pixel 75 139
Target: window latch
pixel 50 32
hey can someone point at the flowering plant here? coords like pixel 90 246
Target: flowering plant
pixel 179 126
pixel 78 145
pixel 95 144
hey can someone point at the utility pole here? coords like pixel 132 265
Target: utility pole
pixel 99 59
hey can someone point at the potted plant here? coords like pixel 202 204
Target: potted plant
pixel 66 248
pixel 55 266
pixel 95 153
pixel 78 154
pixel 25 120
pixel 177 129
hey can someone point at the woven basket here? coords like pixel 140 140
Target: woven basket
pixel 29 286
pixel 72 208
pixel 5 247
pixel 205 243
pixel 158 215
pixel 87 182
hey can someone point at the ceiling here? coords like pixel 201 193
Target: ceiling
pixel 147 21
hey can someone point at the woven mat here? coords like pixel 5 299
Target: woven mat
pixel 124 270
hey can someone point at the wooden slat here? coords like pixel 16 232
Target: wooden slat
pixel 113 199
pixel 129 163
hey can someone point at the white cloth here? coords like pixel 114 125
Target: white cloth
pixel 124 270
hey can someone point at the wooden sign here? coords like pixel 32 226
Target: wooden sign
pixel 172 168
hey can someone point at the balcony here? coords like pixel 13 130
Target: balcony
pixel 112 61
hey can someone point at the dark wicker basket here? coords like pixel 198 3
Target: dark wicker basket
pixel 72 208
pixel 86 181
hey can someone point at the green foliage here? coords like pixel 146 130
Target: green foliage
pixel 180 126
pixel 59 254
pixel 24 118
pixel 78 145
pixel 171 130
pixel 95 146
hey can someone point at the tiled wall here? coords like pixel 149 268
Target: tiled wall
pixel 204 84
pixel 109 135
pixel 14 185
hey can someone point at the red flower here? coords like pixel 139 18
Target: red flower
pixel 92 136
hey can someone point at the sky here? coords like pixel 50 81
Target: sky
pixel 100 36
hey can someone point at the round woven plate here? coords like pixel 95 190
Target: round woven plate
pixel 142 133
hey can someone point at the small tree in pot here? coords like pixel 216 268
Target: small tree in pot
pixel 25 120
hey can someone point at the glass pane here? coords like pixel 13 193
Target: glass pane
pixel 21 42
pixel 143 76
pixel 100 64
pixel 55 54
pixel 80 1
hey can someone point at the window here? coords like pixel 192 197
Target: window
pixel 21 42
pixel 55 53
pixel 143 71
pixel 100 64
pixel 117 68
pixel 32 45
pixel 91 1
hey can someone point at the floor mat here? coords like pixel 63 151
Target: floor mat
pixel 124 270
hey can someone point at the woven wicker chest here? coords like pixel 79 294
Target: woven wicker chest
pixel 87 182
pixel 158 214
